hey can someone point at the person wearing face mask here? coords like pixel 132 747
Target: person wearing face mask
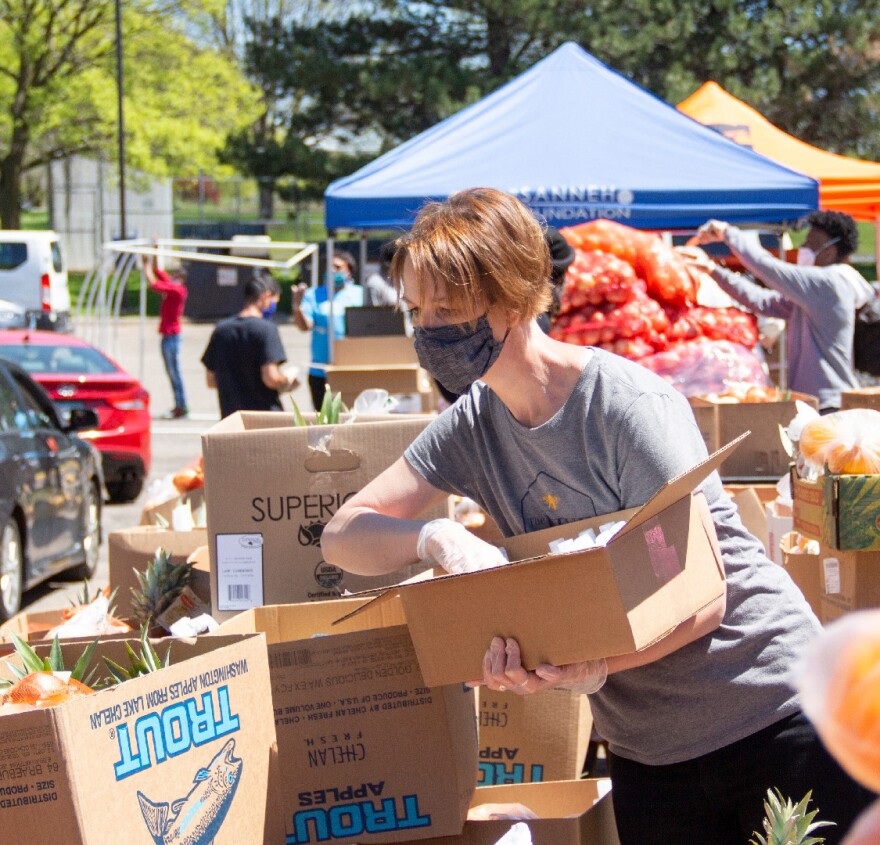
pixel 244 354
pixel 704 721
pixel 311 312
pixel 818 298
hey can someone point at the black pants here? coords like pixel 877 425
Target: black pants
pixel 718 799
pixel 317 386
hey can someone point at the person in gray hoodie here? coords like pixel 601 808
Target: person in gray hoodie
pixel 818 298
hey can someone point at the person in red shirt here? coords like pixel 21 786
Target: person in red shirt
pixel 173 295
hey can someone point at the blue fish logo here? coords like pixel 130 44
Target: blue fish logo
pixel 196 818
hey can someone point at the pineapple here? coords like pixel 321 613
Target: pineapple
pixel 788 824
pixel 159 584
pixel 140 664
pixel 44 682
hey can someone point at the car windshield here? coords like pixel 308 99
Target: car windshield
pixel 57 359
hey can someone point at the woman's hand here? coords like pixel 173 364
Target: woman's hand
pixel 503 670
pixel 297 292
pixel 449 544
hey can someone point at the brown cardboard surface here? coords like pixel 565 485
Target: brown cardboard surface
pixel 866 397
pixel 81 772
pixel 851 581
pixel 762 456
pixel 374 351
pixel 131 548
pixel 32 626
pixel 366 750
pixel 752 513
pixel 808 508
pixel 531 738
pixel 805 570
pixel 272 487
pixel 570 813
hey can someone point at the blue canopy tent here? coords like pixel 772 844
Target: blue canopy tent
pixel 575 141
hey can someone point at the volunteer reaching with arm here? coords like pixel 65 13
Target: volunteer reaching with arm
pixel 818 297
pixel 699 725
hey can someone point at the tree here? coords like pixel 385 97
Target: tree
pixel 58 98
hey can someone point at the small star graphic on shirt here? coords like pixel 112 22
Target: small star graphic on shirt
pixel 551 501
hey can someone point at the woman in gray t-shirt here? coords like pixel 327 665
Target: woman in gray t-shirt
pixel 701 723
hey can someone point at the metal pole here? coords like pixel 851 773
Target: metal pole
pixel 362 258
pixel 328 275
pixel 123 230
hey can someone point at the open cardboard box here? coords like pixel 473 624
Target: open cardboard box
pixel 367 752
pixel 865 397
pixel 763 455
pixel 661 568
pixel 574 812
pixel 125 764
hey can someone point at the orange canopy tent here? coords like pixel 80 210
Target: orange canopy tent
pixel 845 184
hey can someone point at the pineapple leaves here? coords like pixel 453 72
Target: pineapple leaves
pixel 788 824
pixel 32 662
pixel 332 408
pixel 298 419
pixel 30 659
pixel 139 664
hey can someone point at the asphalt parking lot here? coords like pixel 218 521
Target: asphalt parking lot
pixel 175 442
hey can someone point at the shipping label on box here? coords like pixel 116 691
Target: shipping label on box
pixel 762 455
pixel 367 751
pixel 272 487
pixel 661 568
pixel 573 812
pixel 177 756
pixel 531 738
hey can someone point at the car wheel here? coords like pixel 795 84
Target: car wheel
pixel 125 489
pixel 11 570
pixel 91 535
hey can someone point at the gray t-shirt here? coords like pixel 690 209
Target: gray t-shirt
pixel 619 437
pixel 819 304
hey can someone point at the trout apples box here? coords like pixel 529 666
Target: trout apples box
pixel 180 756
pixel 367 752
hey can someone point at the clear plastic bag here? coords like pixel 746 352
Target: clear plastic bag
pixel 696 369
pixel 848 442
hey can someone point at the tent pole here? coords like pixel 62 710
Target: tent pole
pixel 362 258
pixel 331 334
pixel 877 248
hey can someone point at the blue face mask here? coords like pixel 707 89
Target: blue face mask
pixel 339 279
pixel 270 310
pixel 458 355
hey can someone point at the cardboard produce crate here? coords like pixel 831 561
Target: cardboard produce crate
pixel 843 511
pixel 187 746
pixel 866 397
pixel 850 581
pixel 381 362
pixel 159 513
pixel 575 812
pixel 661 568
pixel 531 738
pixel 805 570
pixel 762 455
pixel 763 516
pixel 366 751
pixel 272 487
pixel 131 548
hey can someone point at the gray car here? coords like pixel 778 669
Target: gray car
pixel 50 490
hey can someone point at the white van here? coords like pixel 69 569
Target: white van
pixel 33 275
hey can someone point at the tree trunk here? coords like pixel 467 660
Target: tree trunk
pixel 10 190
pixel 267 200
pixel 498 44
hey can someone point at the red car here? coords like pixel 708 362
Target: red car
pixel 77 375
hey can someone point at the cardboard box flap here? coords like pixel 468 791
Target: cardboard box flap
pixel 681 485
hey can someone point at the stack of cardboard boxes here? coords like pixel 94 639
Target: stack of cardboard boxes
pixel 325 718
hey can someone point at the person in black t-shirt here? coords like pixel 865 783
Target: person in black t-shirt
pixel 244 354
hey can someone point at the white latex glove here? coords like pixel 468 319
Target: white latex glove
pixel 710 232
pixel 450 545
pixel 494 812
pixel 503 670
